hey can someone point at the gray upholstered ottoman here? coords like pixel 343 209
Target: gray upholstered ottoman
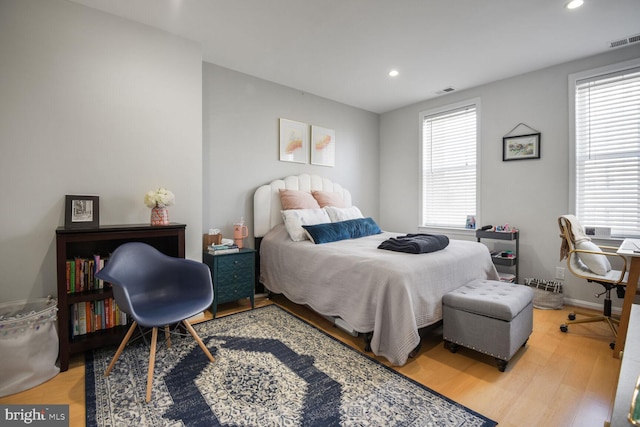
pixel 488 316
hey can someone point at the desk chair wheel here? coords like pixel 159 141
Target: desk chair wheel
pixel 564 328
pixel 572 316
pixel 612 345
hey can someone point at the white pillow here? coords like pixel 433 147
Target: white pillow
pixel 599 264
pixel 343 214
pixel 294 219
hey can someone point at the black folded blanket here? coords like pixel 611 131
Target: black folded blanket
pixel 416 243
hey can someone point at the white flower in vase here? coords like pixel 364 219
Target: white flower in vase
pixel 160 198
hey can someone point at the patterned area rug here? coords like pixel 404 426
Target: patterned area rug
pixel 271 369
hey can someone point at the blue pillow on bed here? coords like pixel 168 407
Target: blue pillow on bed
pixel 334 231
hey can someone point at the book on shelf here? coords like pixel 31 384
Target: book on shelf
pixel 98 263
pixel 80 274
pixel 503 254
pixel 68 275
pixel 74 323
pixel 71 277
pixel 107 313
pixel 97 316
pixel 82 318
pixel 507 277
pixel 92 316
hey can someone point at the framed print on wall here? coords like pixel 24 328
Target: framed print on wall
pixel 323 146
pixel 82 212
pixel 294 141
pixel 521 147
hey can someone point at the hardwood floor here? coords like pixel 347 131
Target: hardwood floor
pixel 558 379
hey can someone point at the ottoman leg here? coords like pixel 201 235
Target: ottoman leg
pixel 452 347
pixel 502 364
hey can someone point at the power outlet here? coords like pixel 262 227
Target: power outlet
pixel 560 273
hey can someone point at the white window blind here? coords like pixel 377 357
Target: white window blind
pixel 607 142
pixel 449 145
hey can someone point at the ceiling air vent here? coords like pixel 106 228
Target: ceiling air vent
pixel 445 90
pixel 625 41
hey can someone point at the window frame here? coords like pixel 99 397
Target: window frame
pixel 574 78
pixel 462 231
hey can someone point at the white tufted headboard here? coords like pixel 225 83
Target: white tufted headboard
pixel 266 199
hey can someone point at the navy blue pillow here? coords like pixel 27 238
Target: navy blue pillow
pixel 334 231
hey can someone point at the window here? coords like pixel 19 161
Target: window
pixel 606 148
pixel 449 142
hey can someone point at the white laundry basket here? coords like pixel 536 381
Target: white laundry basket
pixel 28 344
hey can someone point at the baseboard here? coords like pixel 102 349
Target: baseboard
pixel 200 317
pixel 590 305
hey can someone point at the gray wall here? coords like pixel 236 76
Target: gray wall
pixel 527 194
pixel 241 134
pixel 90 104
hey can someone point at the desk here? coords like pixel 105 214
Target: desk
pixel 629 371
pixel 628 248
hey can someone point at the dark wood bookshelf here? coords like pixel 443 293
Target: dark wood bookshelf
pixel 72 243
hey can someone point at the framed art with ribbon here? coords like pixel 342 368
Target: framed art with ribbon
pixel 521 145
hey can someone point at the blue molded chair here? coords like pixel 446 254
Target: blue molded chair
pixel 156 290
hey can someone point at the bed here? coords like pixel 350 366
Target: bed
pixel 385 294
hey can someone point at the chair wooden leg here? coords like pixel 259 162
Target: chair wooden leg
pixel 195 336
pixel 167 336
pixel 124 342
pixel 152 362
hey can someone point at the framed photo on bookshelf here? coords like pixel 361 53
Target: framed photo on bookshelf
pixel 82 211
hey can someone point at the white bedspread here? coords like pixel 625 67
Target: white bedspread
pixel 390 293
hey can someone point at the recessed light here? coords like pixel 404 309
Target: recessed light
pixel 573 4
pixel 393 73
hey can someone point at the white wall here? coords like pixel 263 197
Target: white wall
pixel 90 104
pixel 527 194
pixel 241 152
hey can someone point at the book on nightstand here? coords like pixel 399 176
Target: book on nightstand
pixel 222 249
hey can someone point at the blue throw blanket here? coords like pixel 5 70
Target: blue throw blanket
pixel 416 243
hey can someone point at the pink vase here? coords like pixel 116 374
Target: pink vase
pixel 159 216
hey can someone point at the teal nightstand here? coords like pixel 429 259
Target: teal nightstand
pixel 233 276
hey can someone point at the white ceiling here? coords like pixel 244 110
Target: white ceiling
pixel 343 49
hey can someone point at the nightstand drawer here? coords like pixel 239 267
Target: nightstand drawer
pixel 233 292
pixel 237 277
pixel 230 264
